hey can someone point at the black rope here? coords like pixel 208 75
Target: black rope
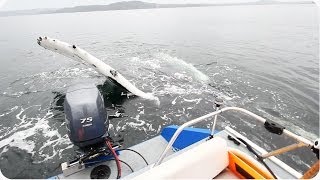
pixel 127 165
pixel 258 156
pixel 136 153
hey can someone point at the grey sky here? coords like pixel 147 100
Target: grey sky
pixel 6 5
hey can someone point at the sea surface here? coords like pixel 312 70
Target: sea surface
pixel 264 58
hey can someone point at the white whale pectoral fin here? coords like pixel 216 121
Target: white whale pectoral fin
pixel 80 55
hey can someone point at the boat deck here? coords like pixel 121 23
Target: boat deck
pixel 152 149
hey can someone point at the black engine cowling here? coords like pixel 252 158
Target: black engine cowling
pixel 86 117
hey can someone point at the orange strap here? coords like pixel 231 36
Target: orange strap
pixel 245 169
pixel 312 171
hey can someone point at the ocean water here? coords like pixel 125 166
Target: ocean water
pixel 264 58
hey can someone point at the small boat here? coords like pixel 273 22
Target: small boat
pixel 183 152
pixel 178 152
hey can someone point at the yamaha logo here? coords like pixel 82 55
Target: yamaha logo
pixel 86 121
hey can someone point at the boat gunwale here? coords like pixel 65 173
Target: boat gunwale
pixel 255 116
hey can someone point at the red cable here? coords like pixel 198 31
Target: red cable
pixel 116 158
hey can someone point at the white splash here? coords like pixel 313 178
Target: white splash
pixel 18 138
pixel 197 101
pixel 22 135
pixel 181 65
pixel 10 111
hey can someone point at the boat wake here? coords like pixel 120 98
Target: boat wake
pixel 36 126
pixel 34 134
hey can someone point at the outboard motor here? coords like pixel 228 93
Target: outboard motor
pixel 86 117
pixel 87 124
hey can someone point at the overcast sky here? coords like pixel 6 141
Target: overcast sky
pixel 6 5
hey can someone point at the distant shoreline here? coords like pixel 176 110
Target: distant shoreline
pixel 130 5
